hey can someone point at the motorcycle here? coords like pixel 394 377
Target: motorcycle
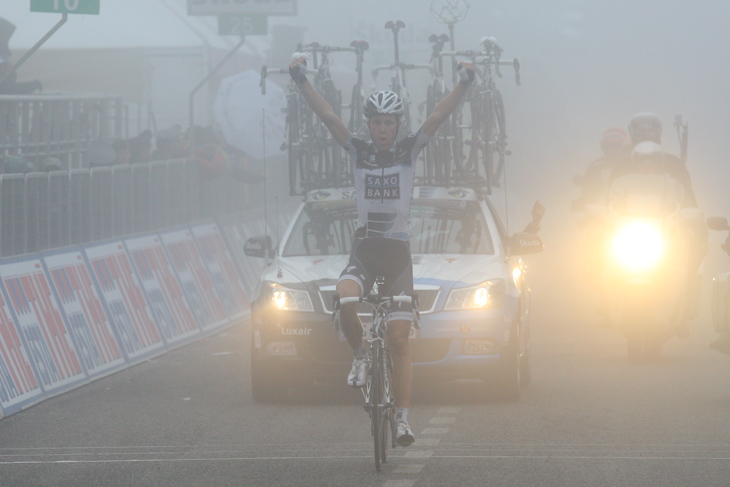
pixel 643 255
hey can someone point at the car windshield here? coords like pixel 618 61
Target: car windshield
pixel 436 226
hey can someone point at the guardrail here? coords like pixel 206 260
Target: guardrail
pixel 42 211
pixel 61 126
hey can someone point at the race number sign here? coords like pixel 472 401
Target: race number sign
pixel 242 25
pixel 49 344
pixel 194 278
pixel 125 302
pixel 219 7
pixel 90 328
pixel 90 7
pixel 162 288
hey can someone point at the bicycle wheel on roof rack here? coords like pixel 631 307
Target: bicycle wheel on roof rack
pixel 405 127
pixel 430 154
pixel 357 118
pixel 293 141
pixel 488 141
pixel 500 135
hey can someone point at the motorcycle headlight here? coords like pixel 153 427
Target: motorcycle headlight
pixel 290 299
pixel 638 245
pixel 488 294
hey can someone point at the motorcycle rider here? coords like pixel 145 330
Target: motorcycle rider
pixel 384 174
pixel 615 147
pixel 645 131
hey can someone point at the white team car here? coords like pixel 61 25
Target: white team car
pixel 473 299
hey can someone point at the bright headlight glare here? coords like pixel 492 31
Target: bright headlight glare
pixel 638 245
pixel 489 294
pixel 291 299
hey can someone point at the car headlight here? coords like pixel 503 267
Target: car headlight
pixel 488 294
pixel 290 299
pixel 638 245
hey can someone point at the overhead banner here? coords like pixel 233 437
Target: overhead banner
pixel 217 7
pixel 124 299
pixel 164 293
pixel 90 327
pixel 226 282
pixel 51 351
pixel 18 384
pixel 194 278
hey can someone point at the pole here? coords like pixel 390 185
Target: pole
pixel 209 76
pixel 33 49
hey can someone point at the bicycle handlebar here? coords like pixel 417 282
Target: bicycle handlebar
pixel 515 63
pixel 265 72
pixel 355 47
pixel 403 66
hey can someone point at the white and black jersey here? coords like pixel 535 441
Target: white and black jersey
pixel 384 184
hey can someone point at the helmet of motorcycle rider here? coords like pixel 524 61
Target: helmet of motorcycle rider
pixel 383 103
pixel 614 140
pixel 645 126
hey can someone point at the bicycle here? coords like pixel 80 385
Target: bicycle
pixel 487 127
pixel 437 155
pixel 379 400
pixel 399 69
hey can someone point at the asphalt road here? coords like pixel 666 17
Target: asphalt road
pixel 589 418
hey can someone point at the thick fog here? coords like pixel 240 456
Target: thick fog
pixel 586 66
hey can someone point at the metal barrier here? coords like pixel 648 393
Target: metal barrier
pixel 42 211
pixel 61 126
pixel 12 215
pixel 102 203
pixel 59 214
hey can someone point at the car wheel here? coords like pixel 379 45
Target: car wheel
pixel 506 381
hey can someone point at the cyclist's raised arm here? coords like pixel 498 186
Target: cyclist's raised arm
pixel 317 103
pixel 442 111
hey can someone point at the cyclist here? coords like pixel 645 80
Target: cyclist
pixel 384 172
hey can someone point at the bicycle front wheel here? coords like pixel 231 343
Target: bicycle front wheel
pixel 376 399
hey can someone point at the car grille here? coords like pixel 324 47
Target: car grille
pixel 426 301
pixel 422 350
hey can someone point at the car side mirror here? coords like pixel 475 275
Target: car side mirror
pixel 524 243
pixel 258 247
pixel 717 223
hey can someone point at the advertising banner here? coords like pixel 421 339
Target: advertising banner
pixel 18 385
pixel 194 278
pixel 124 299
pixel 226 282
pixel 49 344
pixel 81 305
pixel 164 293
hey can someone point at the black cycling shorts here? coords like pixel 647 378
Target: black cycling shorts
pixel 386 257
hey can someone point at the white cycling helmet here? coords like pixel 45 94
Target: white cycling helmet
pixel 383 103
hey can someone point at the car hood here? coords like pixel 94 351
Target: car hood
pixel 427 269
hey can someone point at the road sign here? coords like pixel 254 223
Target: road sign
pixel 90 7
pixel 220 7
pixel 242 24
